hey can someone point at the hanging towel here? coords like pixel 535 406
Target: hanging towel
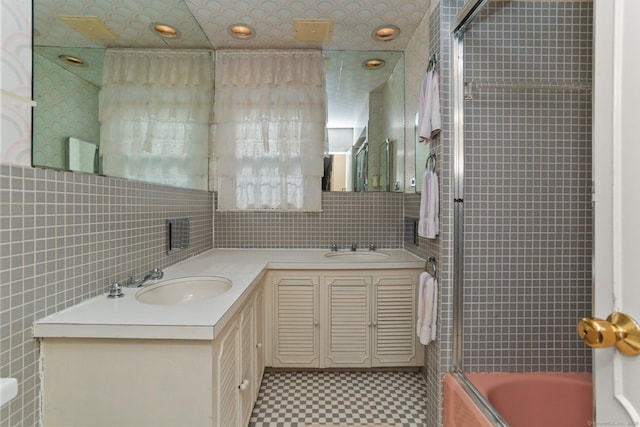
pixel 427 309
pixel 429 119
pixel 428 223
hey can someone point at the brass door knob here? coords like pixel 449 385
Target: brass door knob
pixel 619 330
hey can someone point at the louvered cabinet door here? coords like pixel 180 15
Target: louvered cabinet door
pixel 348 336
pixel 259 344
pixel 296 321
pixel 226 380
pixel 394 318
pixel 247 355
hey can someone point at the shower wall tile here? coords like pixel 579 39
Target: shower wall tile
pixel 64 238
pixel 346 218
pixel 528 217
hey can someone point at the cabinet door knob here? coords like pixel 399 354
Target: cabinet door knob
pixel 244 385
pixel 316 323
pixel 259 345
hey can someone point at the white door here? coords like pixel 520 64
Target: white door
pixel 616 159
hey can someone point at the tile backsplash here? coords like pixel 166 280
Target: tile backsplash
pixel 346 218
pixel 63 238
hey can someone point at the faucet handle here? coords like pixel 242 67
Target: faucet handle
pixel 115 290
pixel 334 247
pixel 156 273
pixel 372 247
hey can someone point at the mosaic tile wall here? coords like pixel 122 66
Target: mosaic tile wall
pixel 346 218
pixel 63 238
pixel 417 58
pixel 528 217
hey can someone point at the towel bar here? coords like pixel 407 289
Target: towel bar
pixel 431 260
pixel 431 157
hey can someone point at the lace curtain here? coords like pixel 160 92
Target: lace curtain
pixel 270 117
pixel 155 115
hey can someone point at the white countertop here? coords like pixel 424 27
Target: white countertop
pixel 125 317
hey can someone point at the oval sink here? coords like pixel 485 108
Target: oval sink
pixel 357 256
pixel 184 290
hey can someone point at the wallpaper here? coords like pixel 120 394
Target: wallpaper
pixel 15 141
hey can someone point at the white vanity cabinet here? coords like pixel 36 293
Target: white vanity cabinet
pixel 393 332
pixel 120 362
pixel 126 382
pixel 156 382
pixel 259 338
pixel 343 318
pixel 239 364
pixel 295 315
pixel 349 320
pixel 226 379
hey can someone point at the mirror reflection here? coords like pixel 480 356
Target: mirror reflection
pixel 365 118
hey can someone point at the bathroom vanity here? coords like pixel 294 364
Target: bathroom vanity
pixel 342 318
pixel 123 362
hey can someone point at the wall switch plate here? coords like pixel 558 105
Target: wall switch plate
pixel 413 181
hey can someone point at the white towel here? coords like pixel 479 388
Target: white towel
pixel 427 309
pixel 429 119
pixel 428 222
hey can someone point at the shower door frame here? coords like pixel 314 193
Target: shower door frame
pixel 463 19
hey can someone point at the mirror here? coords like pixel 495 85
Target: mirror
pixel 365 104
pixel 67 97
pixel 365 123
pixel 423 150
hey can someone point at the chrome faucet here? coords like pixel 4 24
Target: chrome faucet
pixel 334 247
pixel 136 282
pixel 354 247
pixel 115 290
pixel 372 247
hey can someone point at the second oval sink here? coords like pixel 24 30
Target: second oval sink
pixel 184 290
pixel 357 256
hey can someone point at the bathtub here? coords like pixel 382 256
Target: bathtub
pixel 520 399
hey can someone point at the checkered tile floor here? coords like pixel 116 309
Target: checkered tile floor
pixel 302 399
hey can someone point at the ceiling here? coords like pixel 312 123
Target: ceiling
pixel 203 25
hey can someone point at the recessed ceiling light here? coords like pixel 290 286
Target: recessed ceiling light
pixel 385 33
pixel 73 60
pixel 164 30
pixel 374 63
pixel 241 31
